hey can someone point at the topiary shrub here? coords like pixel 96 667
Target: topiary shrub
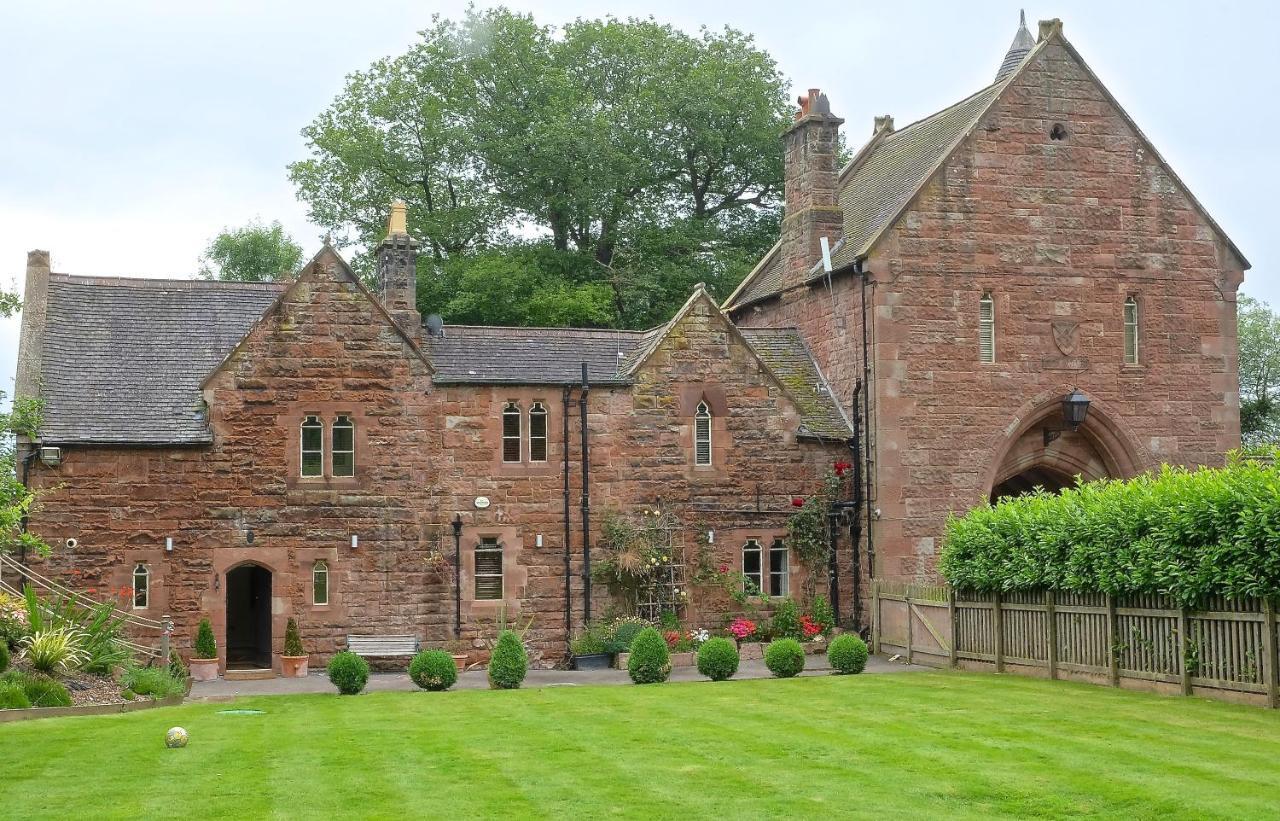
pixel 293 641
pixel 13 697
pixel 847 654
pixel 650 661
pixel 509 662
pixel 46 692
pixel 348 672
pixel 625 631
pixel 784 658
pixel 786 620
pixel 433 670
pixel 206 644
pixel 4 656
pixel 718 659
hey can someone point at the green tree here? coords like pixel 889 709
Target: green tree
pixel 1259 335
pixel 644 158
pixel 252 253
pixel 16 501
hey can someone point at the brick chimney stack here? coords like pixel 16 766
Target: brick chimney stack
pixel 398 271
pixel 812 208
pixel 35 310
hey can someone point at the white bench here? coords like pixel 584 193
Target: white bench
pixel 383 645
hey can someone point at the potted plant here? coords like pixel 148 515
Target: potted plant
pixel 590 648
pixel 204 666
pixel 293 662
pixel 459 653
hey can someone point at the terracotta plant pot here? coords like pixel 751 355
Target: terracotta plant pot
pixel 203 669
pixel 460 661
pixel 293 666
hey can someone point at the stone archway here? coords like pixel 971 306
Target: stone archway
pixel 248 644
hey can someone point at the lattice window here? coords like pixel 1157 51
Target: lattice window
pixel 141 587
pixel 312 446
pixel 488 569
pixel 538 433
pixel 1131 331
pixel 343 455
pixel 320 582
pixel 511 433
pixel 987 329
pixel 702 435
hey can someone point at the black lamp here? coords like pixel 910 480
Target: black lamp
pixel 1075 408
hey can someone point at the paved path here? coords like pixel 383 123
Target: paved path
pixel 317 682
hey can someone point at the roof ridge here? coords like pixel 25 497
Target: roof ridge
pixel 144 282
pixel 561 329
pixel 945 109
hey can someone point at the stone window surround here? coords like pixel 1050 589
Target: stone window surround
pixel 524 398
pixel 766 544
pixel 515 575
pixel 146 576
pixel 688 397
pixel 122 576
pixel 316 569
pixel 733 540
pixel 327 412
pixel 1137 363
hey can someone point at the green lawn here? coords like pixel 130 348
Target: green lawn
pixel 904 745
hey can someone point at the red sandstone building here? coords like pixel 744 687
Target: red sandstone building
pixel 254 452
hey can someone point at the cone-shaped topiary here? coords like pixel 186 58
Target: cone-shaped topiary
pixel 650 661
pixel 292 640
pixel 718 659
pixel 847 654
pixel 433 670
pixel 509 662
pixel 784 658
pixel 348 672
pixel 206 644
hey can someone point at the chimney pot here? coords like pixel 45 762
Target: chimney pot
pixel 398 271
pixel 884 122
pixel 810 171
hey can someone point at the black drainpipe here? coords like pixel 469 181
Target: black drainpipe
pixel 866 420
pixel 833 567
pixel 457 576
pixel 586 502
pixel 568 536
pixel 27 459
pixel 855 498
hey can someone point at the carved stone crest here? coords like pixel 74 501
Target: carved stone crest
pixel 1066 335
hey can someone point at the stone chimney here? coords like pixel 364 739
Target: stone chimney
pixel 1048 27
pixel 35 311
pixel 812 209
pixel 398 271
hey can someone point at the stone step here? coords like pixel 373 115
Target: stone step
pixel 249 675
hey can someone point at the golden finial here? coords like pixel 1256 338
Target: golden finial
pixel 398 225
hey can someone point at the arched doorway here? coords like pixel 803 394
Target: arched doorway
pixel 248 617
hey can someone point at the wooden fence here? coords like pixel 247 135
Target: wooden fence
pixel 1225 648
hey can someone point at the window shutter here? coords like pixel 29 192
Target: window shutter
pixel 702 435
pixel 987 329
pixel 488 571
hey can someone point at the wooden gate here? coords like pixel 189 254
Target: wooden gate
pixel 912 620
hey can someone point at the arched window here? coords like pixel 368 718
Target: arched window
pixel 1131 331
pixel 320 582
pixel 343 454
pixel 141 586
pixel 752 569
pixel 537 433
pixel 702 435
pixel 312 446
pixel 986 329
pixel 511 433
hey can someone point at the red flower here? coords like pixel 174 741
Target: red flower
pixel 672 637
pixel 809 627
pixel 841 468
pixel 797 502
pixel 724 568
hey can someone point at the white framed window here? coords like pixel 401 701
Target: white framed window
pixel 538 433
pixel 320 582
pixel 312 446
pixel 141 586
pixel 1131 331
pixel 488 573
pixel 986 329
pixel 779 568
pixel 511 433
pixel 342 454
pixel 702 435
pixel 752 568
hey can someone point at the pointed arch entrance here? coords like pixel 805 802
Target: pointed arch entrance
pixel 248 617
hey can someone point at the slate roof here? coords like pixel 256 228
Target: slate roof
pixel 123 358
pixel 478 354
pixel 787 355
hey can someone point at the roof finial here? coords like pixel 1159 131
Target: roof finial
pixel 1023 42
pixel 398 224
pixel 1022 18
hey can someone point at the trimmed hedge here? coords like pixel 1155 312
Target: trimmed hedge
pixel 509 662
pixel 348 672
pixel 1183 533
pixel 650 660
pixel 784 658
pixel 847 654
pixel 718 659
pixel 433 670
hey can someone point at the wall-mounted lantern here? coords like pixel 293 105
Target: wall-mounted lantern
pixel 1075 407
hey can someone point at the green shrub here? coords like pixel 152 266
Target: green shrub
pixel 4 656
pixel 176 668
pixel 786 620
pixel 625 631
pixel 292 640
pixel 13 697
pixel 128 695
pixel 43 691
pixel 509 662
pixel 206 644
pixel 650 661
pixel 784 658
pixel 822 614
pixel 156 682
pixel 718 659
pixel 54 649
pixel 590 640
pixel 433 670
pixel 1184 533
pixel 847 654
pixel 98 628
pixel 348 672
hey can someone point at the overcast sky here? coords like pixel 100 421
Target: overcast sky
pixel 131 133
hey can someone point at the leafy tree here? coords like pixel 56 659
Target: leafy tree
pixel 10 303
pixel 252 253
pixel 1259 335
pixel 612 157
pixel 16 501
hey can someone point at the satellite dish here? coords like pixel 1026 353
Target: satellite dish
pixel 435 325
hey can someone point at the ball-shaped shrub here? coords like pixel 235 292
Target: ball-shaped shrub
pixel 46 692
pixel 717 659
pixel 650 661
pixel 784 658
pixel 433 670
pixel 509 662
pixel 348 672
pixel 13 697
pixel 847 654
pixel 4 656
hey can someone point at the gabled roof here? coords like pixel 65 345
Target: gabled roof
pixel 123 358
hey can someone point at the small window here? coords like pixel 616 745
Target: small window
pixel 343 455
pixel 1131 331
pixel 488 570
pixel 753 578
pixel 320 582
pixel 779 568
pixel 702 435
pixel 312 446
pixel 537 433
pixel 511 433
pixel 987 329
pixel 141 587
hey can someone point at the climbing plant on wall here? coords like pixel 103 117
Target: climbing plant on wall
pixel 808 530
pixel 643 562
